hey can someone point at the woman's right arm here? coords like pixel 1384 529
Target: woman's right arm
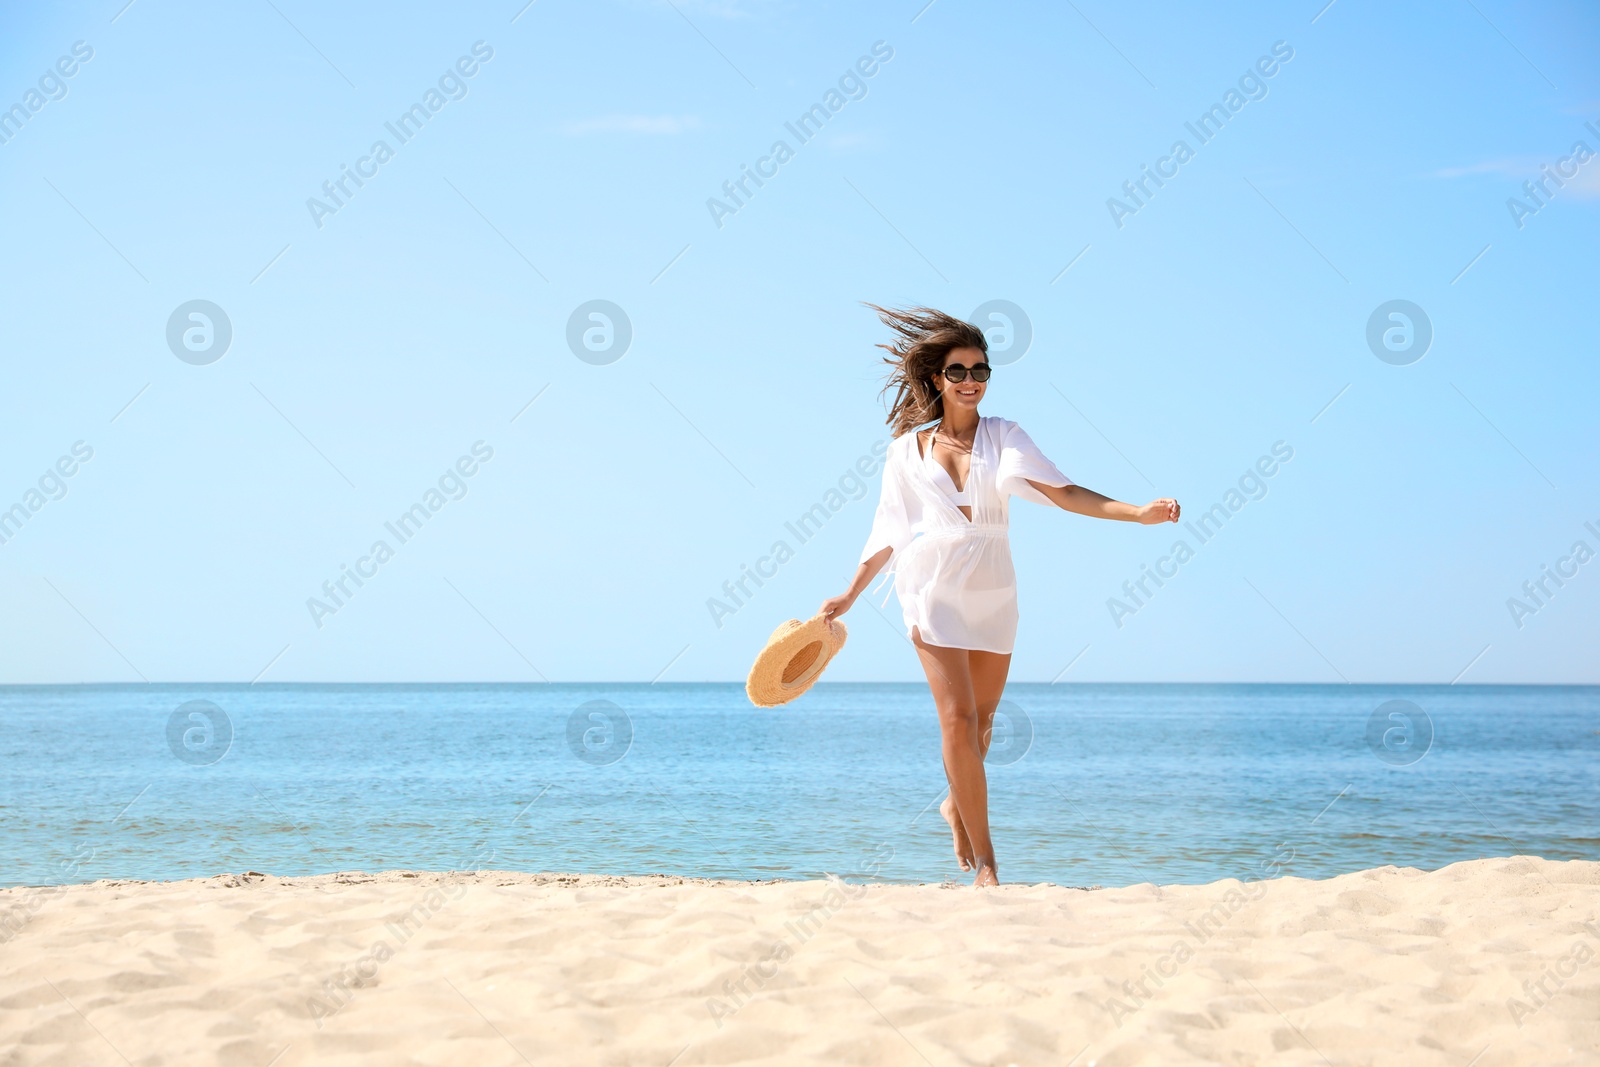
pixel 891 531
pixel 833 607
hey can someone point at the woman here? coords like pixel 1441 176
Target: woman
pixel 941 523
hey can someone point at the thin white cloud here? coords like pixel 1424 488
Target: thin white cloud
pixel 1509 167
pixel 1585 184
pixel 647 124
pixel 849 142
pixel 722 9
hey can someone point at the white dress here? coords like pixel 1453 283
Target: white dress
pixel 953 575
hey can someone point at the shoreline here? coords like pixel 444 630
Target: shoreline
pixel 487 876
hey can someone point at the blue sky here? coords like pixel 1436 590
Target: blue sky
pixel 370 353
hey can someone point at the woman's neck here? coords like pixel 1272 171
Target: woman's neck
pixel 962 424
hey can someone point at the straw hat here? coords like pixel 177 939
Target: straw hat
pixel 794 658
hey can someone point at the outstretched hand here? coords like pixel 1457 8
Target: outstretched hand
pixel 833 607
pixel 1164 510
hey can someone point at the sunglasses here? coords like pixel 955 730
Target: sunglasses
pixel 957 373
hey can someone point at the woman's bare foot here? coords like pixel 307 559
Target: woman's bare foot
pixel 987 875
pixel 963 847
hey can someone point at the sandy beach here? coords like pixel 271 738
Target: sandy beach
pixel 1487 962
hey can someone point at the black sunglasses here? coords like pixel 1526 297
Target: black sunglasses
pixel 955 372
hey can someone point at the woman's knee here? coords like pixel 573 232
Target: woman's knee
pixel 959 715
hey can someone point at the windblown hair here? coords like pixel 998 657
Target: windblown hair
pixel 924 337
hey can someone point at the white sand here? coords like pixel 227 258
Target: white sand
pixel 1388 966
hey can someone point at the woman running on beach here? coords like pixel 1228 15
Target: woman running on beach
pixel 941 523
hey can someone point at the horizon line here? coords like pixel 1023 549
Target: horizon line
pixel 819 684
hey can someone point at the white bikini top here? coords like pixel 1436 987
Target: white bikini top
pixel 957 496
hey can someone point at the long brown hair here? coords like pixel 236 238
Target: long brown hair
pixel 923 338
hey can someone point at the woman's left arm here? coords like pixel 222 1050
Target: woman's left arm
pixel 1082 501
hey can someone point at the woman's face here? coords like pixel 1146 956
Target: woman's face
pixel 963 395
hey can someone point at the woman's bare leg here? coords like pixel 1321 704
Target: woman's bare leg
pixel 989 671
pixel 950 681
pixel 958 831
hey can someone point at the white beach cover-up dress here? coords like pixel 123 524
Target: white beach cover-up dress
pixel 954 576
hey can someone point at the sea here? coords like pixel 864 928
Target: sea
pixel 1089 785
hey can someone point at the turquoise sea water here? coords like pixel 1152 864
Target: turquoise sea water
pixel 1089 784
